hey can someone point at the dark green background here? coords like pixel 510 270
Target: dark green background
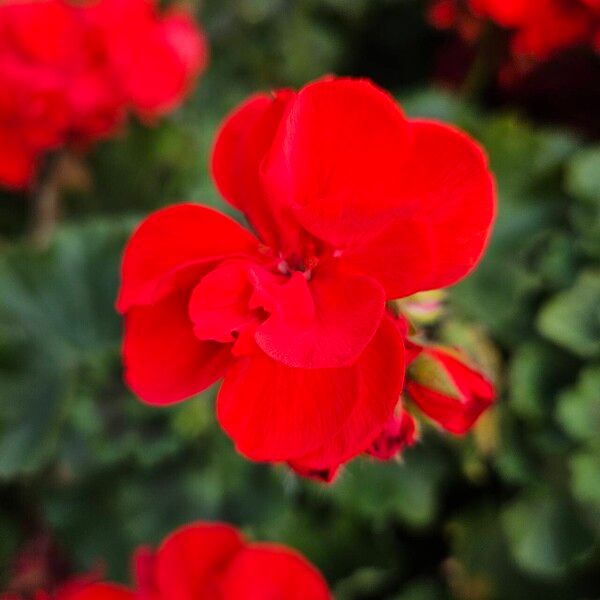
pixel 509 512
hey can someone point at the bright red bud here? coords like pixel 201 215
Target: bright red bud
pixel 448 389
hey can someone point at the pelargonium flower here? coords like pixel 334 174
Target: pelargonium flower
pixel 69 71
pixel 209 561
pixel 540 27
pixel 351 205
pixel 543 27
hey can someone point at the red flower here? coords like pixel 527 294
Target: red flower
pixel 69 72
pixel 153 58
pixel 543 27
pixel 448 389
pixel 209 561
pixel 540 27
pixel 353 204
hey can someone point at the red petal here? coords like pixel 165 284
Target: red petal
pixel 41 32
pixel 144 569
pixel 17 161
pixel 171 240
pixel 381 375
pixel 219 305
pixel 325 322
pixel 243 140
pixel 400 256
pixel 164 361
pixel 275 413
pixel 151 58
pixel 335 158
pixel 264 571
pixel 98 591
pixel 186 40
pixel 190 558
pixel 449 205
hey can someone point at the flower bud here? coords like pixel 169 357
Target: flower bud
pixel 448 389
pixel 399 433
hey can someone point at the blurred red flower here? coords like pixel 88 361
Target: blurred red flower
pixel 543 27
pixel 540 27
pixel 353 205
pixel 209 561
pixel 70 71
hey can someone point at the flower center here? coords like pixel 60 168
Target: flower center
pixel 298 264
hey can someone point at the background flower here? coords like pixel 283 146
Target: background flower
pixel 70 71
pixel 201 561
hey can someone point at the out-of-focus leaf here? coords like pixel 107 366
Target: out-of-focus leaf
pixel 578 409
pixel 583 181
pixel 426 589
pixel 364 581
pixel 537 373
pixel 57 316
pixel 572 318
pixel 479 561
pixel 583 175
pixel 585 482
pixel 439 104
pixel 545 534
pixel 521 157
pixel 383 491
pixel 500 293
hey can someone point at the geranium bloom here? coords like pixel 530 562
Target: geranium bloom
pixel 541 27
pixel 69 71
pixel 208 561
pixel 352 205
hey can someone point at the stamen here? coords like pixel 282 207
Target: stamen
pixel 284 268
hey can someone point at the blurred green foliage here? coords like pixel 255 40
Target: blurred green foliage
pixel 510 512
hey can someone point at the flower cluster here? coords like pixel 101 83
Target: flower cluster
pixel 205 561
pixel 353 205
pixel 540 27
pixel 69 72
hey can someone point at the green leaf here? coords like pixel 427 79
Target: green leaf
pixel 537 372
pixel 545 534
pixel 578 408
pixel 572 318
pixel 583 175
pixel 521 157
pixel 585 478
pixel 381 491
pixel 59 326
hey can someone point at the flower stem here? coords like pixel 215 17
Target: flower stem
pixel 45 203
